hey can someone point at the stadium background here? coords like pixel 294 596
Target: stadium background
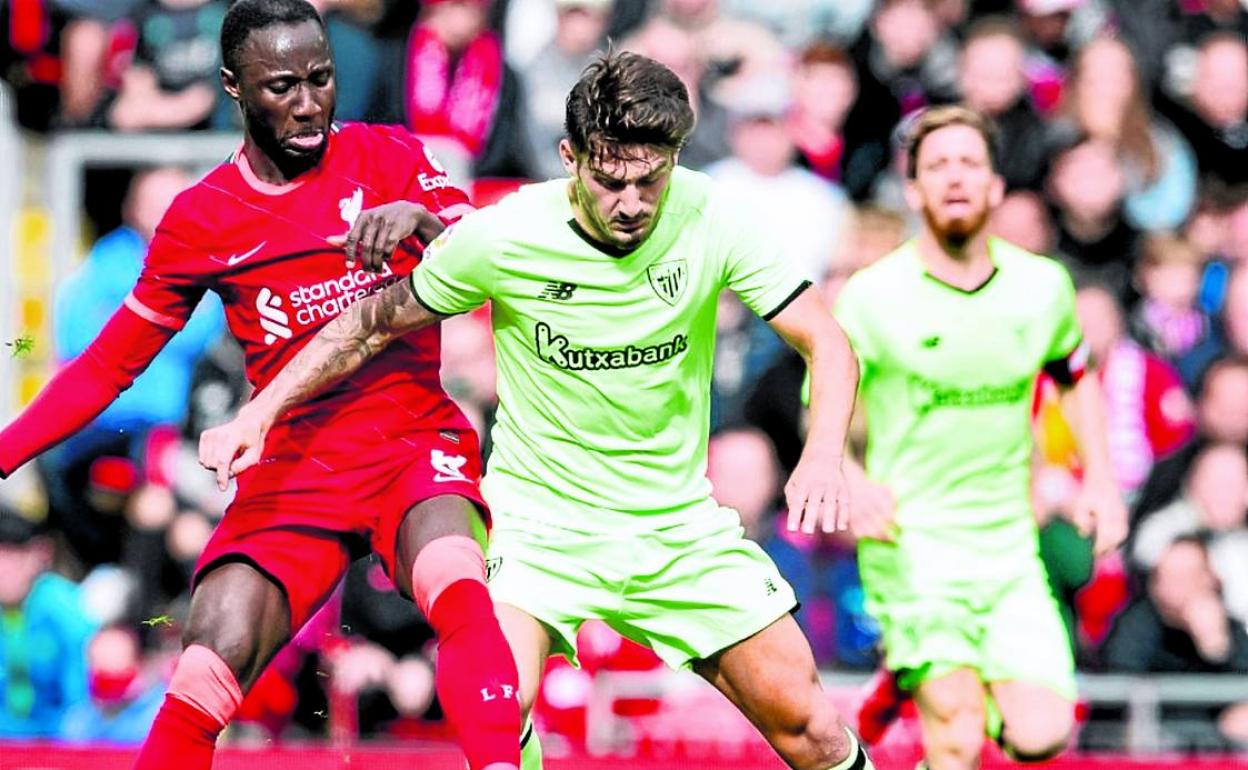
pixel 1125 148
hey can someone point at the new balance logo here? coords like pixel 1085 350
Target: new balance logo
pixel 273 319
pixel 557 291
pixel 932 342
pixel 447 467
pixel 770 586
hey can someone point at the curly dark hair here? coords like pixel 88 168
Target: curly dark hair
pixel 625 99
pixel 247 16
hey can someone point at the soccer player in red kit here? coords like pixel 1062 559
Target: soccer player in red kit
pixel 386 461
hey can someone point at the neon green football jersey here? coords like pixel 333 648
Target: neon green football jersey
pixel 947 378
pixel 604 359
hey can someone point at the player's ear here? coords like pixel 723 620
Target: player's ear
pixel 568 156
pixel 996 193
pixel 229 81
pixel 914 198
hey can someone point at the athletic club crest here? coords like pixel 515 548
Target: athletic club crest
pixel 668 279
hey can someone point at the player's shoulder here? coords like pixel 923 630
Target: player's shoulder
pixel 695 193
pixel 1028 268
pixel 204 208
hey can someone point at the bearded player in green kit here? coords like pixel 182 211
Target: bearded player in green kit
pixel 951 331
pixel 603 290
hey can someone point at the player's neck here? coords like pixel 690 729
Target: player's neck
pixel 966 265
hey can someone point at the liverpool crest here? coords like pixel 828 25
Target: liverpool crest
pixel 668 279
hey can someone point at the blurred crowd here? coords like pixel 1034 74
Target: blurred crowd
pixel 1124 146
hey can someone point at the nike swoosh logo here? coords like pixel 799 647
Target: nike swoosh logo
pixel 234 260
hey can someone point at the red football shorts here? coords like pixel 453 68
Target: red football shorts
pixel 325 494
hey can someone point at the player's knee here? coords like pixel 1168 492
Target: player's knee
pixel 233 639
pixel 1037 739
pixel 812 723
pixel 441 563
pixel 957 733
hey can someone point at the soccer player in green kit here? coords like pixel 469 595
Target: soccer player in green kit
pixel 951 330
pixel 604 289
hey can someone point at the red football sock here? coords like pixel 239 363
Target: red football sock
pixel 476 678
pixel 182 736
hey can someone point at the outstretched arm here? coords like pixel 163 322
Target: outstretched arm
pixel 83 388
pixel 817 491
pixel 340 348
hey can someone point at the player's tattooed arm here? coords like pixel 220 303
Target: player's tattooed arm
pixel 340 348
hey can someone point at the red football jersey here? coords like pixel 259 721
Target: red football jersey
pixel 264 249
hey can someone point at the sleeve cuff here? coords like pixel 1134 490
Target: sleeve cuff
pixel 788 300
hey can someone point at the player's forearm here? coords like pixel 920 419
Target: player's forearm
pixel 83 389
pixel 1084 406
pixel 341 348
pixel 833 388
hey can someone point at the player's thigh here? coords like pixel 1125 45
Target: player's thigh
pixel 1025 639
pixel 699 589
pixel 1037 721
pixel 242 615
pixel 554 578
pixel 529 641
pixel 431 519
pixel 771 677
pixel 257 582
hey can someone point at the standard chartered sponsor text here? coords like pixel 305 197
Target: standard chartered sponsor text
pixel 325 300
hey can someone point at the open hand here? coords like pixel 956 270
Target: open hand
pixel 232 448
pixel 817 495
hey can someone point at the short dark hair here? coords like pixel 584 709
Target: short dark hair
pixel 247 16
pixel 935 118
pixel 627 99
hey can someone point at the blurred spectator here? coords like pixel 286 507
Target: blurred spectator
pixel 1148 414
pixel 357 54
pixel 1181 624
pixel 1168 318
pixel 1221 417
pixel 1055 29
pixel 1212 506
pixel 905 61
pixel 173 81
pixel 824 89
pixel 803 214
pixel 678 49
pixel 83 304
pixel 31 58
pixel 43 634
pixel 992 81
pixel 1235 311
pixel 383 660
pixel 798 23
pixel 1215 117
pixel 125 696
pixel 871 232
pixel 547 80
pixel 1094 241
pixel 459 88
pixel 1105 101
pixel 97 43
pixel 1023 220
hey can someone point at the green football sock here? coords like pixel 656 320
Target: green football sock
pixel 530 749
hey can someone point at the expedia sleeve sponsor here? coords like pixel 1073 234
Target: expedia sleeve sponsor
pixel 556 349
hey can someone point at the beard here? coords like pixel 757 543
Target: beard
pixel 956 232
pixel 288 161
